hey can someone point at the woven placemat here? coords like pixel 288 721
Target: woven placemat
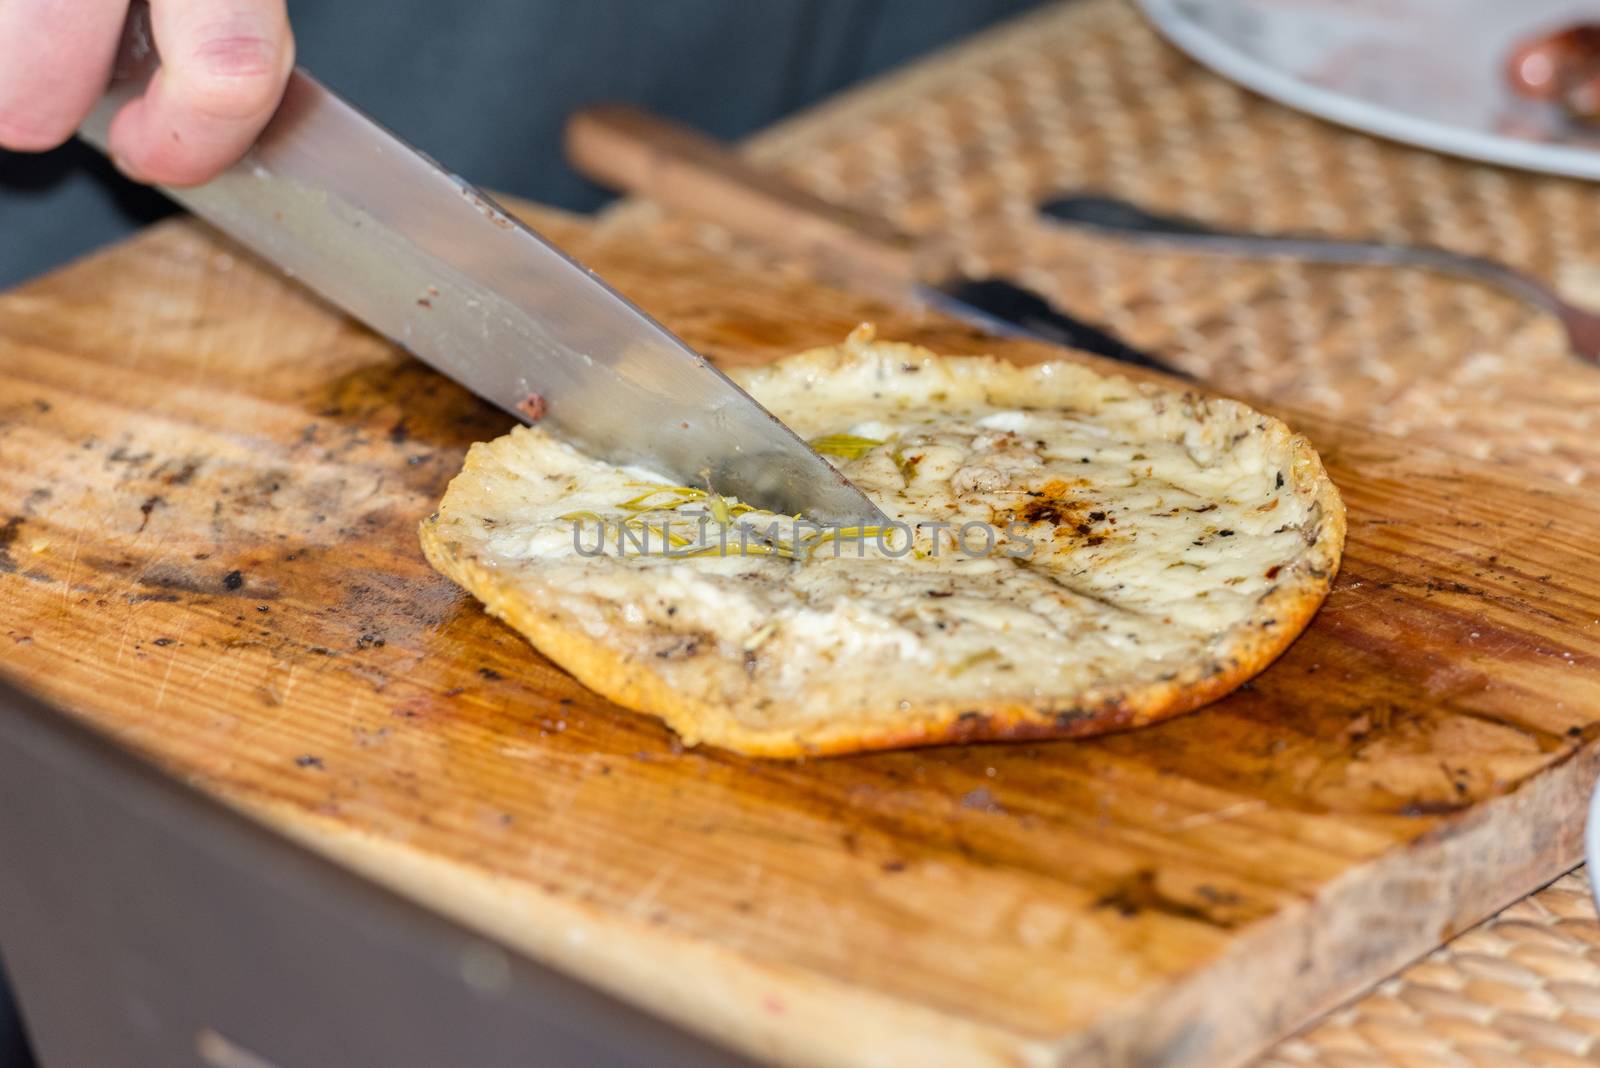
pixel 1085 96
pixel 1521 990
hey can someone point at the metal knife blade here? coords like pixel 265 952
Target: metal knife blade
pixel 434 264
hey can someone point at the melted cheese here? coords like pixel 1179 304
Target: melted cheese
pixel 1134 528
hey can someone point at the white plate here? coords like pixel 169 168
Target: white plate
pixel 1426 72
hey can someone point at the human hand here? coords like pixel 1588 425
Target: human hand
pixel 223 68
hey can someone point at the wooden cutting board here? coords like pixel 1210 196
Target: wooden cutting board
pixel 211 485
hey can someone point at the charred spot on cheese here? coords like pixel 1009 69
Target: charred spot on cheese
pixel 1086 554
pixel 1052 504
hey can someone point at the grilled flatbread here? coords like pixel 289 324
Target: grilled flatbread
pixel 1073 553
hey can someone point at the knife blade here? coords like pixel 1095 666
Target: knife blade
pixel 625 148
pixel 434 264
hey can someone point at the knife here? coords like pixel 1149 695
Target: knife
pixel 438 267
pixel 625 148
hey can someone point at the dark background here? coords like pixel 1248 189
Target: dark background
pixel 484 86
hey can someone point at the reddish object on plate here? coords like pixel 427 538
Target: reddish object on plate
pixel 1561 67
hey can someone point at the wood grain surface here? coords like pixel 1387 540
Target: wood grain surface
pixel 210 487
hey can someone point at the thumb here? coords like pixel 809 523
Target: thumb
pixel 224 64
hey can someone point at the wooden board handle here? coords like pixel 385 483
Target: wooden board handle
pixel 628 149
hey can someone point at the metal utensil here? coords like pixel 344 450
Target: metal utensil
pixel 629 149
pixel 434 264
pixel 1120 218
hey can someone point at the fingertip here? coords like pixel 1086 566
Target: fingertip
pixel 54 62
pixel 158 139
pixel 146 148
pixel 223 70
pixel 124 142
pixel 20 133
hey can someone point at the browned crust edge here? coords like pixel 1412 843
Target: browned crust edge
pixel 1252 645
